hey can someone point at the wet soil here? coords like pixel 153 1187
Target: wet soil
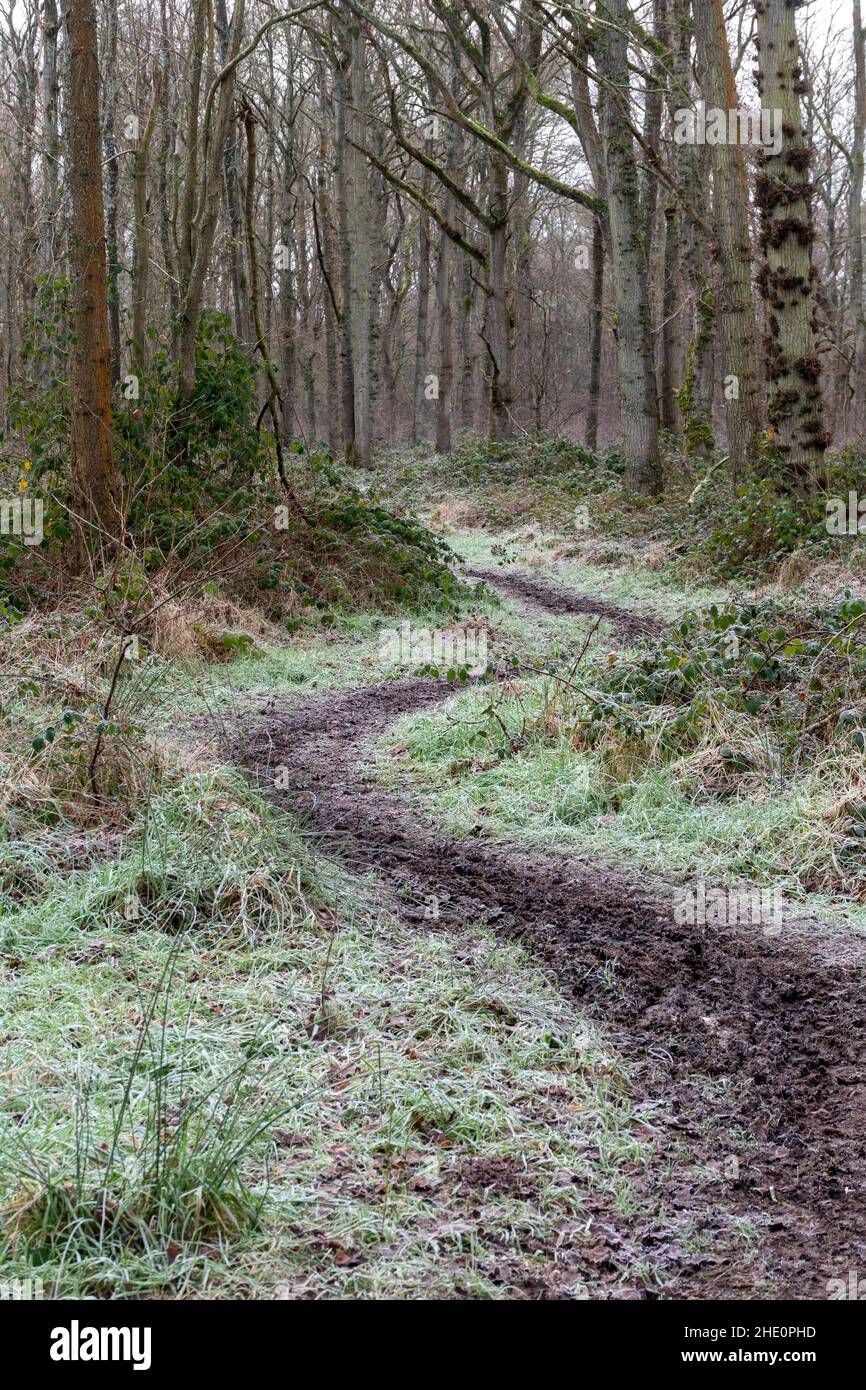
pixel 537 593
pixel 746 1050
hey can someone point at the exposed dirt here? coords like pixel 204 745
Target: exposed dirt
pixel 538 594
pixel 747 1050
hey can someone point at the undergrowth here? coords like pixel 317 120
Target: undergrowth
pixel 228 1076
pixel 207 493
pixel 737 739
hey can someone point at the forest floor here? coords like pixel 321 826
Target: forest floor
pixel 383 998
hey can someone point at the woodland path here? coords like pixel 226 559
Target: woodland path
pixel 725 1029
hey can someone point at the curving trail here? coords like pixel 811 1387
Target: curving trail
pixel 726 1029
pixel 534 592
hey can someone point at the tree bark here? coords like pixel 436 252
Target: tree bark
pixel 95 483
pixel 141 242
pixel 595 342
pixel 51 119
pixel 786 279
pixel 736 316
pixel 231 181
pixel 422 310
pixel 202 197
pixel 343 195
pixel 359 214
pixel 498 325
pixel 855 223
pixel 633 329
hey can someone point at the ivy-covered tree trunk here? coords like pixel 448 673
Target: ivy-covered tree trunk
pixel 445 323
pixel 787 275
pixel 640 416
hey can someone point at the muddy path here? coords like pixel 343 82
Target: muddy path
pixel 746 1050
pixel 536 593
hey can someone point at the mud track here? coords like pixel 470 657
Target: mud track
pixel 531 590
pixel 727 1031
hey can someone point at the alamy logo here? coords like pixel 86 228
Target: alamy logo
pixel 23 1290
pixel 23 516
pixel 703 125
pixel 77 1343
pixel 846 517
pixel 851 1288
pixel 700 906
pixel 465 648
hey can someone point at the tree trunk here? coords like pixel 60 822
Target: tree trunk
pixel 95 484
pixel 421 316
pixel 141 243
pixel 167 180
pixel 112 179
pixel 498 327
pixel 288 297
pixel 50 108
pixel 465 348
pixel 201 199
pixel 347 337
pixel 669 325
pixel 595 341
pixel 378 221
pixel 328 268
pixel 677 35
pixel 633 330
pixel 733 246
pixel 231 180
pixel 697 386
pixel 359 213
pixel 786 279
pixel 855 224
pixel 444 321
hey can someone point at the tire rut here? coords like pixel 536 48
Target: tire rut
pixel 537 593
pixel 727 1031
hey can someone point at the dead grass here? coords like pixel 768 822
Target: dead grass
pixel 76 743
pixel 819 580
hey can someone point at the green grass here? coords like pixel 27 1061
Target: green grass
pixel 228 1073
pixel 661 593
pixel 460 771
pixel 369 1067
pixel 471 775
